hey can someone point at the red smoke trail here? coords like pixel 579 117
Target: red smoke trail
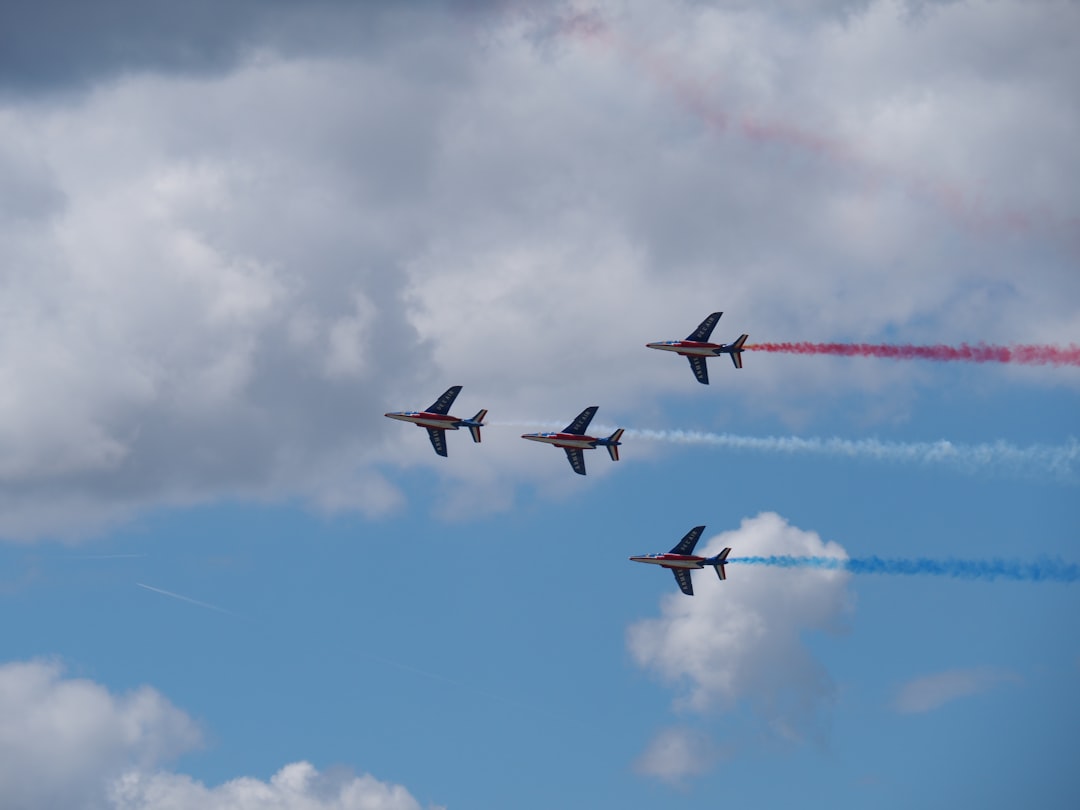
pixel 979 353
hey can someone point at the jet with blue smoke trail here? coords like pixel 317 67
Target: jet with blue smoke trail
pixel 1043 570
pixel 682 560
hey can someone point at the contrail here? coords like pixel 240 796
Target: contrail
pixel 106 556
pixel 1044 570
pixel 189 600
pixel 1000 458
pixel 1028 355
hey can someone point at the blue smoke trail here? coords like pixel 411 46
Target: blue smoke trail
pixel 1044 570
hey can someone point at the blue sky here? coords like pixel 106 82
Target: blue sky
pixel 230 242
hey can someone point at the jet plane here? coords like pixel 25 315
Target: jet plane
pixel 437 420
pixel 696 347
pixel 573 440
pixel 682 560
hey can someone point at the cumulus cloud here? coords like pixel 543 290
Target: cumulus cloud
pixel 242 238
pixel 742 640
pixel 63 740
pixel 298 786
pixel 71 743
pixel 931 692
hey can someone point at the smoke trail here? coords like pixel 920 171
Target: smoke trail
pixel 979 353
pixel 1044 570
pixel 997 458
pixel 966 208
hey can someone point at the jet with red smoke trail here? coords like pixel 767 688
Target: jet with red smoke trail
pixel 438 420
pixel 696 348
pixel 682 560
pixel 573 440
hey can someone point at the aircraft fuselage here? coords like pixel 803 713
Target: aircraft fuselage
pixel 669 560
pixel 689 347
pixel 571 440
pixel 438 421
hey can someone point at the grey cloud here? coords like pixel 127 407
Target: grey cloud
pixel 58 45
pixel 215 283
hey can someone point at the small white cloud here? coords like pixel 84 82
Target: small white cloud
pixel 934 691
pixel 297 786
pixel 676 753
pixel 742 639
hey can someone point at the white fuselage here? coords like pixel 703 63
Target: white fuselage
pixel 570 440
pixel 687 347
pixel 671 560
pixel 428 420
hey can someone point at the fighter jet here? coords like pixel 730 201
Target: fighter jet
pixel 682 560
pixel 438 421
pixel 573 440
pixel 696 348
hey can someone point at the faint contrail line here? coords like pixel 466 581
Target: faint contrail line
pixel 997 457
pixel 1044 570
pixel 189 600
pixel 106 556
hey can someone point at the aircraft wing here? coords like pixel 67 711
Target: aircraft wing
pixel 701 371
pixel 438 440
pixel 577 459
pixel 704 330
pixel 578 425
pixel 443 403
pixel 682 576
pixel 686 545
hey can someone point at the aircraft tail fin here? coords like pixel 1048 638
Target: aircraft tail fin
pixel 478 422
pixel 737 350
pixel 720 561
pixel 612 444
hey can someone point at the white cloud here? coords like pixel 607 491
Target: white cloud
pixel 742 639
pixel 298 786
pixel 63 739
pixel 71 743
pixel 933 691
pixel 677 753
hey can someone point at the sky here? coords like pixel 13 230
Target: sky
pixel 233 237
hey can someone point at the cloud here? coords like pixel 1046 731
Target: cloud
pixel 677 753
pixel 934 691
pixel 204 300
pixel 63 739
pixel 298 786
pixel 742 640
pixel 70 742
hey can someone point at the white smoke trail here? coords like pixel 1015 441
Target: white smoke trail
pixel 996 458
